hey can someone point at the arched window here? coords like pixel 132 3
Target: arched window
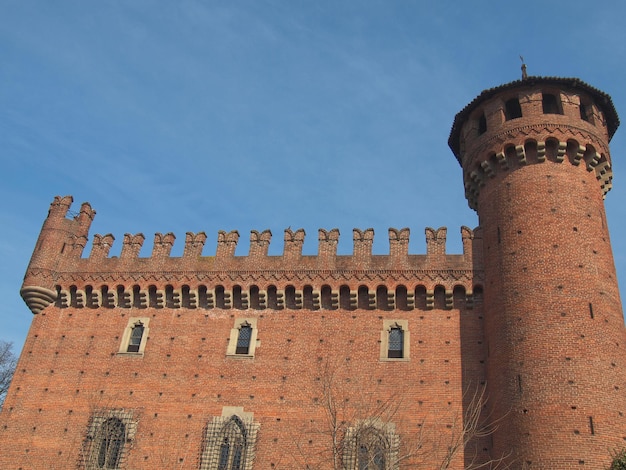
pixel 232 445
pixel 396 342
pixel 402 298
pixel 371 449
pixel 229 442
pixel 290 297
pixel 363 298
pixel 371 445
pixel 308 301
pixel 136 334
pixel 382 298
pixel 109 443
pixel 243 340
pixel 327 298
pixel 272 297
pixel 254 297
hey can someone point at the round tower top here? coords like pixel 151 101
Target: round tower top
pixel 599 98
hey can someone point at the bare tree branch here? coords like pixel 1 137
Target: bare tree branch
pixel 8 362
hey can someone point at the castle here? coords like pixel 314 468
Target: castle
pixel 509 355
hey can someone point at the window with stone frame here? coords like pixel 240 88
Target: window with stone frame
pixel 243 338
pixel 109 437
pixel 371 445
pixel 395 341
pixel 135 336
pixel 229 441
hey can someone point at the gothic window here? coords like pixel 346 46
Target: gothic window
pixel 135 336
pixel 395 341
pixel 242 342
pixel 229 441
pixel 111 442
pixel 371 445
pixel 108 440
pixel 370 450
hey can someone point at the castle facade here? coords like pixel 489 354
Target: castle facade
pixel 509 355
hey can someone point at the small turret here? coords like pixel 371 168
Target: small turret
pixel 61 239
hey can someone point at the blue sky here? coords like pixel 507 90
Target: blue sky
pixel 202 115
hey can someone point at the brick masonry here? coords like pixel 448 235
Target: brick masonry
pixel 529 313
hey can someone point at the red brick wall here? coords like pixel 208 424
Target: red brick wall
pixel 70 367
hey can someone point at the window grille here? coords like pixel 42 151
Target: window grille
pixel 243 340
pixel 112 434
pixel 396 342
pixel 135 338
pixel 108 439
pixel 371 446
pixel 229 444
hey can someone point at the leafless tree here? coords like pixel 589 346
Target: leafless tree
pixel 467 427
pixel 347 411
pixel 7 367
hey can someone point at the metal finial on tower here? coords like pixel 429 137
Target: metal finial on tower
pixel 524 73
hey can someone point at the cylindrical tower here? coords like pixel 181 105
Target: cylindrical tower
pixel 536 168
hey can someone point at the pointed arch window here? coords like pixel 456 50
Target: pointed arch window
pixel 243 339
pixel 371 445
pixel 370 450
pixel 136 334
pixel 243 342
pixel 107 441
pixel 229 441
pixel 112 434
pixel 396 342
pixel 233 445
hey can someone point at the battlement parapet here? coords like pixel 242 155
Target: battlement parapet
pixel 63 259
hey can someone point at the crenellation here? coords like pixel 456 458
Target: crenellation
pixel 436 242
pixel 226 244
pixel 194 243
pixel 101 246
pixel 327 244
pixel 399 244
pixel 163 245
pixel 293 244
pixel 363 241
pixel 259 243
pixel 60 206
pixel 132 245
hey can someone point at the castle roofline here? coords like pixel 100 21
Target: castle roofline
pixel 602 99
